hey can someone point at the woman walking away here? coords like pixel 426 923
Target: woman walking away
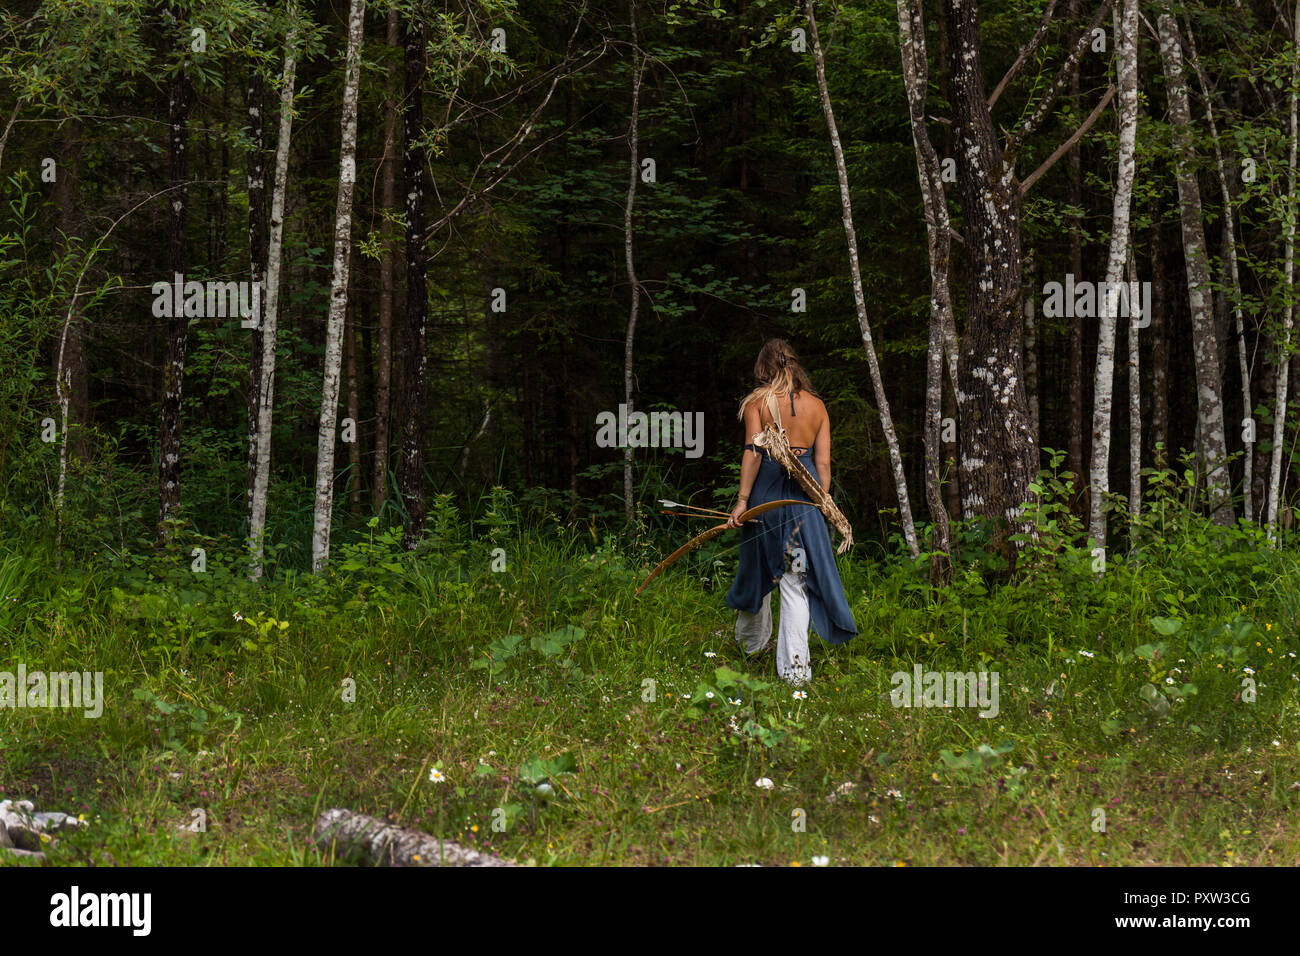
pixel 789 435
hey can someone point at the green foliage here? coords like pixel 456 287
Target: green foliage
pixel 980 758
pixel 253 701
pixel 754 712
pixel 178 724
pixel 551 647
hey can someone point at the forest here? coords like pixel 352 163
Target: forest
pixel 366 363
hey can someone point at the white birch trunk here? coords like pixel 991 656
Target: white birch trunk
pixel 911 34
pixel 1126 37
pixel 329 406
pixel 1209 378
pixel 63 386
pixel 859 301
pixel 1284 351
pixel 1234 276
pixel 266 396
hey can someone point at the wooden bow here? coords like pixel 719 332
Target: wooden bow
pixel 716 530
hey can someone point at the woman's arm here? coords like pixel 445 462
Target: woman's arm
pixel 822 452
pixel 749 462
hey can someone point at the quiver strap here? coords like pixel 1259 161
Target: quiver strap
pixel 773 440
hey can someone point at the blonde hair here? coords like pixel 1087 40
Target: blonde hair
pixel 778 373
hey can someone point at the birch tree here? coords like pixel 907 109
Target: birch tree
pixel 72 374
pixel 1288 269
pixel 859 300
pixel 1209 378
pixel 320 539
pixel 911 33
pixel 258 240
pixel 1234 274
pixel 1126 36
pixel 270 314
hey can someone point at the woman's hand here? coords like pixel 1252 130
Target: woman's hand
pixel 736 512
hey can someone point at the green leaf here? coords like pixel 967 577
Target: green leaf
pixel 1166 625
pixel 537 770
pixel 726 677
pixel 1151 652
pixel 555 642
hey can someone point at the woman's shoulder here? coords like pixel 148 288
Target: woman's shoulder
pixel 811 401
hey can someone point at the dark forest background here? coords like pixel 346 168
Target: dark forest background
pixel 744 209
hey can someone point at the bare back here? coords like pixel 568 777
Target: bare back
pixel 802 414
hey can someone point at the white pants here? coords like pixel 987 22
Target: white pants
pixel 754 631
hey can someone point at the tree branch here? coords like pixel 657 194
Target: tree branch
pixel 4 137
pixel 1036 118
pixel 1025 53
pixel 510 145
pixel 1065 147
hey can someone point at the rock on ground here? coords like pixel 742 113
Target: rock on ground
pixel 22 828
pixel 370 841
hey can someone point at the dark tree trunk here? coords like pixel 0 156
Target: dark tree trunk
pixel 384 336
pixel 998 455
pixel 169 432
pixel 1159 349
pixel 411 397
pixel 1075 408
pixel 354 406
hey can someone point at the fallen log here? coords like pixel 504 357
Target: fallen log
pixel 372 842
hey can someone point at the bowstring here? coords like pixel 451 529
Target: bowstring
pixel 778 527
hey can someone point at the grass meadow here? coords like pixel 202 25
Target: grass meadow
pixel 540 711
